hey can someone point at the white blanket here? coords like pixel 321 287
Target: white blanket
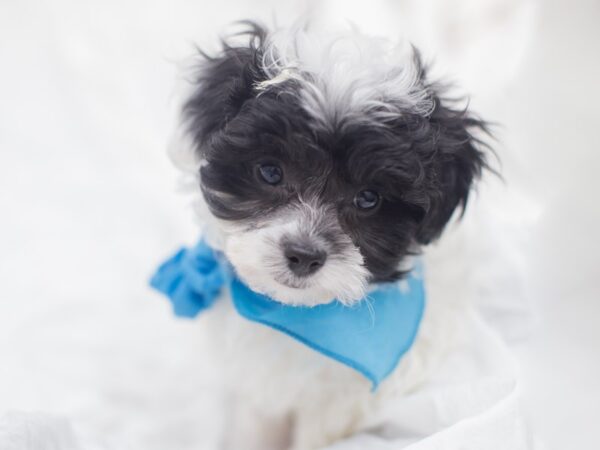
pixel 89 358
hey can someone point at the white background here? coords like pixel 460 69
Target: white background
pixel 88 199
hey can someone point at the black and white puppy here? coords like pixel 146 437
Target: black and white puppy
pixel 328 160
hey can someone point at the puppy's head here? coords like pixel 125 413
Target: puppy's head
pixel 327 160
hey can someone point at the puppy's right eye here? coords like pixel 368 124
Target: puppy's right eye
pixel 270 173
pixel 366 199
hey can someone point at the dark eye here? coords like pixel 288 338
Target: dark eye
pixel 366 199
pixel 270 173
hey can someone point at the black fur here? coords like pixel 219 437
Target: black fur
pixel 423 167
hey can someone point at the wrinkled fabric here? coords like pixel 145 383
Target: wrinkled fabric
pixel 472 402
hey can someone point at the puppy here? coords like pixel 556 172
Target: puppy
pixel 326 162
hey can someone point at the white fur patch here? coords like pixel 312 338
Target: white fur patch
pixel 258 258
pixel 346 76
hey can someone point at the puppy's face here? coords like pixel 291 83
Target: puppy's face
pixel 323 179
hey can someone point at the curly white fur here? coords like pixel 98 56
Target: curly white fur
pixel 346 76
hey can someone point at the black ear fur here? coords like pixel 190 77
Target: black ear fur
pixel 458 161
pixel 223 84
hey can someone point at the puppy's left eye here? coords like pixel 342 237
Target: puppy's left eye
pixel 366 199
pixel 270 173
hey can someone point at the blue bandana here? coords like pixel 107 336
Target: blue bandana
pixel 370 336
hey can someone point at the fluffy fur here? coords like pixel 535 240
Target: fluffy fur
pixel 291 131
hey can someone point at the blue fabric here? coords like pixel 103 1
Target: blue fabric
pixel 370 336
pixel 192 280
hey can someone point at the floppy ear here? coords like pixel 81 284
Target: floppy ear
pixel 223 84
pixel 458 161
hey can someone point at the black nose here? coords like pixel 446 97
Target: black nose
pixel 304 260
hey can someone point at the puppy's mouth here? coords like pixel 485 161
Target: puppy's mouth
pixel 289 281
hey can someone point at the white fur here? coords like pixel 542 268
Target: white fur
pixel 346 76
pixel 257 256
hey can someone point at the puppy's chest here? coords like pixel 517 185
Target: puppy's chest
pixel 268 364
